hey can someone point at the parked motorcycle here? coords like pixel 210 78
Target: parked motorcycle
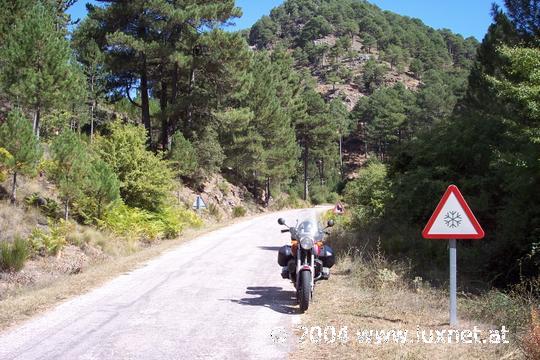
pixel 307 260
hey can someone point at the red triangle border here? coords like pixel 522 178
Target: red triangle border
pixel 452 189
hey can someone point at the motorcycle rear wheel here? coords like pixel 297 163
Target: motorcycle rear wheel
pixel 304 292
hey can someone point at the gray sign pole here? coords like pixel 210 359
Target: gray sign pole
pixel 453 283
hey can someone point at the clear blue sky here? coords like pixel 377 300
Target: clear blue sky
pixel 466 17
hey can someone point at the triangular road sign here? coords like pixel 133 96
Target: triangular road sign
pixel 453 219
pixel 199 204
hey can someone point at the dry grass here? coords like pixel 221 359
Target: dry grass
pixel 371 295
pixel 530 342
pixel 17 221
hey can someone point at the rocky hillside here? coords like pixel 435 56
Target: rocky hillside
pixel 336 39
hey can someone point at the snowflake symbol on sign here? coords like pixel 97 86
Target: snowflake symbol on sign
pixel 452 219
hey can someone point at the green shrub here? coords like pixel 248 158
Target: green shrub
pixel 50 207
pixel 51 243
pixel 500 309
pixel 13 256
pixel 318 194
pixel 145 178
pixel 5 157
pixel 213 210
pixel 183 156
pixel 136 223
pixel 224 188
pixel 321 194
pixel 239 211
pixel 369 194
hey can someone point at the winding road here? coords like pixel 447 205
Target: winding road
pixel 219 296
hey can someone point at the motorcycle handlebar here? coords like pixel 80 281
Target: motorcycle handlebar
pixel 285 230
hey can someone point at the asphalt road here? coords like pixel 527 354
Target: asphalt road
pixel 220 296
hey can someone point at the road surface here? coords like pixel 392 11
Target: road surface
pixel 219 296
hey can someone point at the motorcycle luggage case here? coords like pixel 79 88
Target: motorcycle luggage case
pixel 327 256
pixel 284 255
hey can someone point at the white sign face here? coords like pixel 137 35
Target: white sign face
pixel 199 203
pixel 453 219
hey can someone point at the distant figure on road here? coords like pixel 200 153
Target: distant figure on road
pixel 339 209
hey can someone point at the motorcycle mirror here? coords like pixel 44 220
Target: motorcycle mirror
pixel 281 221
pixel 330 223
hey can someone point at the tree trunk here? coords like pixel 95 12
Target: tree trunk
pixel 164 115
pixel 306 181
pixel 341 155
pixel 92 109
pixel 37 118
pixel 92 122
pixel 267 197
pixel 66 210
pixel 190 92
pixel 14 188
pixel 173 123
pixel 145 101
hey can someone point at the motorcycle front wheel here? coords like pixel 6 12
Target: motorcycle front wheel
pixel 304 292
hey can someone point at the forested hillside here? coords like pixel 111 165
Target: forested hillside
pixel 397 74
pixel 487 144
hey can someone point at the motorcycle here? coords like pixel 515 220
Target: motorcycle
pixel 307 260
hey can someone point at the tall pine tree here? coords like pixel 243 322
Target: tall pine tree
pixel 24 150
pixel 36 70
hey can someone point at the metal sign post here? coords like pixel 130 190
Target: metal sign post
pixel 453 219
pixel 453 283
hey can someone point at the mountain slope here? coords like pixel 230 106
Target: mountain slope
pixel 352 48
pixel 335 39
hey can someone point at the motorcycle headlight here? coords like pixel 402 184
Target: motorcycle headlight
pixel 306 243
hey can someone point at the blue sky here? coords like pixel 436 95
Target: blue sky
pixel 466 17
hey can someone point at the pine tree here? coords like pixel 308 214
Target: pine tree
pixel 93 66
pixel 71 167
pixel 242 144
pixel 36 67
pixel 155 47
pixel 317 134
pixel 338 112
pixel 101 187
pixel 182 155
pixel 24 150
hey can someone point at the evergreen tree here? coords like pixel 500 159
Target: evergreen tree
pixel 71 167
pixel 372 76
pixel 272 123
pixel 209 151
pixel 36 67
pixel 93 66
pixel 182 155
pixel 243 145
pixel 156 48
pixel 317 134
pixel 338 112
pixel 23 148
pixel 101 188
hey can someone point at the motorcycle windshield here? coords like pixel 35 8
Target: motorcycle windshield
pixel 309 228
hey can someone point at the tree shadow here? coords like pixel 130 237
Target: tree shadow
pixel 270 248
pixel 272 297
pixel 382 318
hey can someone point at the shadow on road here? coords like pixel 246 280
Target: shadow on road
pixel 270 248
pixel 272 297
